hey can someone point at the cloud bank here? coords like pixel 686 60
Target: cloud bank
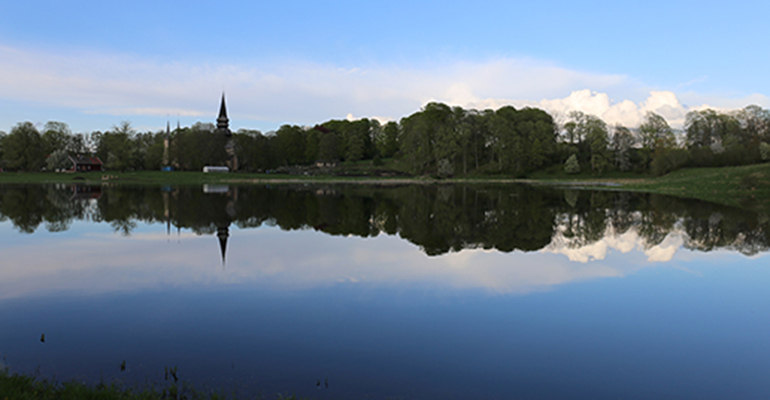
pixel 304 92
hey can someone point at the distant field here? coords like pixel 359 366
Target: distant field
pixel 745 186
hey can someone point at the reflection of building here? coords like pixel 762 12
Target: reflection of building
pixel 219 203
pixel 223 232
pixel 223 228
pixel 83 192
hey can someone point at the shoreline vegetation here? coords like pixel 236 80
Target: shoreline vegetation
pixel 15 386
pixel 717 156
pixel 741 186
pixel 438 141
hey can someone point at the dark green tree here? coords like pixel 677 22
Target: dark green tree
pixel 56 136
pixel 622 145
pixel 656 136
pixel 23 148
pixel 387 141
pixel 290 141
pixel 115 147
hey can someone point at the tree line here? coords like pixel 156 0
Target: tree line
pixel 437 140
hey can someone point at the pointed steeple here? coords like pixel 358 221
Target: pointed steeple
pixel 223 232
pixel 223 122
pixel 222 108
pixel 168 129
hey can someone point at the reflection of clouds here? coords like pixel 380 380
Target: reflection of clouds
pixel 153 236
pixel 389 260
pixel 624 243
pixel 268 258
pixel 665 251
pixel 593 251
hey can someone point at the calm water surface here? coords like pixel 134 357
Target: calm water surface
pixel 410 292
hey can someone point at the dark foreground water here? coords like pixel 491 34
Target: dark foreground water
pixel 412 292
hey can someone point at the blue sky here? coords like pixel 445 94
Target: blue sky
pixel 94 64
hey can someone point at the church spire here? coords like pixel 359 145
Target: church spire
pixel 223 123
pixel 222 108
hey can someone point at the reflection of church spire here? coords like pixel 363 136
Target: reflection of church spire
pixel 223 232
pixel 166 213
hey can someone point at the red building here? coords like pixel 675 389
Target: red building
pixel 85 164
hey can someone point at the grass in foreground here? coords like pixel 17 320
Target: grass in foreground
pixel 23 387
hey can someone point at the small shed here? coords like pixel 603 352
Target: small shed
pixel 85 164
pixel 211 168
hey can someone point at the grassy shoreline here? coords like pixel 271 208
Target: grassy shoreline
pixel 744 186
pixel 15 386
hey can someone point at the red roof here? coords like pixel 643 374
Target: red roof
pixel 82 160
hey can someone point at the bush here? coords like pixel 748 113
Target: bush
pixel 571 166
pixel 58 160
pixel 668 161
pixel 445 168
pixel 377 161
pixel 764 151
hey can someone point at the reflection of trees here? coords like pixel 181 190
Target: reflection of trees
pixel 733 229
pixel 658 218
pixel 705 226
pixel 29 206
pixel 621 216
pixel 585 220
pixel 438 218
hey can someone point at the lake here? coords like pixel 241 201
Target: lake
pixel 386 292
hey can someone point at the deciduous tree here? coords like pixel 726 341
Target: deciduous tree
pixel 23 148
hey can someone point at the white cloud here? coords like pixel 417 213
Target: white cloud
pixel 306 93
pixel 626 112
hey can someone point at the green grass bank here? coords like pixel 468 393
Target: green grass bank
pixel 745 186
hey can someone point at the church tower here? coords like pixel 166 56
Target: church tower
pixel 166 142
pixel 223 128
pixel 223 123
